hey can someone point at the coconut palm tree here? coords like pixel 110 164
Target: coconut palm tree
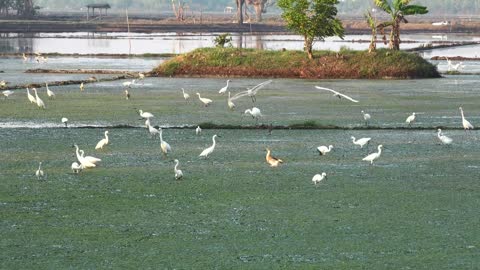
pixel 397 9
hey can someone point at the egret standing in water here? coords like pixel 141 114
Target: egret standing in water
pixel 198 130
pixel 145 114
pixel 76 168
pixel 205 101
pixel 38 100
pixel 7 93
pixel 90 159
pixel 102 142
pixel 65 121
pixel 254 112
pixel 273 161
pixel 410 119
pixel 178 172
pixel 374 156
pixel 317 178
pixel 153 131
pixel 210 149
pixel 224 89
pixel 164 145
pixel 444 139
pixel 127 94
pixel 361 141
pixel 323 150
pixel 39 172
pixel 50 93
pixel 85 163
pixel 230 104
pixel 30 97
pixel 186 96
pixel 82 87
pixel 466 125
pixel 366 117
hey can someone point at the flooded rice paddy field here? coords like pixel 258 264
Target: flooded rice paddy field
pixel 415 208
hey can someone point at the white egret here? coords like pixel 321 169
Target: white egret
pixel 127 94
pixel 102 142
pixel 198 130
pixel 85 163
pixel 323 150
pixel 317 178
pixel 30 97
pixel 76 168
pixel 205 101
pixel 254 112
pixel 452 67
pixel 129 83
pixel 230 104
pixel 337 94
pixel 178 173
pixel 374 156
pixel 186 96
pixel 7 93
pixel 90 159
pixel 39 172
pixel 38 100
pixel 366 117
pixel 141 76
pixel 224 89
pixel 163 144
pixel 65 121
pixel 25 58
pixel 147 122
pixel 273 161
pixel 410 119
pixel 145 114
pixel 444 139
pixel 210 149
pixel 251 92
pixel 361 141
pixel 153 131
pixel 50 93
pixel 82 87
pixel 465 123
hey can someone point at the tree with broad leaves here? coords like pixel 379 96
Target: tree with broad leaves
pixel 312 19
pixel 397 9
pixel 372 23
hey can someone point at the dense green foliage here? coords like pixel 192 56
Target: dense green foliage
pixel 326 64
pixel 313 20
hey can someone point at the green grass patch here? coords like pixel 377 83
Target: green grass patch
pixel 345 64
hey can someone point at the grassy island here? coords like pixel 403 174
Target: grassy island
pixel 345 64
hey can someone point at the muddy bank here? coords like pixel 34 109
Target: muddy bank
pixel 82 71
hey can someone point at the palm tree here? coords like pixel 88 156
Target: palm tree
pixel 373 25
pixel 397 9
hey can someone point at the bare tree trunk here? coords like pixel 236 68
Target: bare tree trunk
pixel 308 47
pixel 395 37
pixel 240 4
pixel 373 41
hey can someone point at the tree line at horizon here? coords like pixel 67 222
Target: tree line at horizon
pixel 347 7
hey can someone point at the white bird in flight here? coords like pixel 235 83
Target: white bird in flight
pixel 337 94
pixel 317 178
pixel 323 150
pixel 39 172
pixel 410 119
pixel 466 125
pixel 224 89
pixel 38 100
pixel 361 141
pixel 251 92
pixel 210 149
pixel 129 83
pixel 178 172
pixel 205 101
pixel 102 142
pixel 444 139
pixel 374 156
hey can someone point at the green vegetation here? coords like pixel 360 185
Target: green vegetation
pixel 222 40
pixel 313 20
pixel 397 9
pixel 295 64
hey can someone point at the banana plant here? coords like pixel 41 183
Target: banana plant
pixel 372 23
pixel 397 9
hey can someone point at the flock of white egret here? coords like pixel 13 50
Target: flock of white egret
pixel 91 162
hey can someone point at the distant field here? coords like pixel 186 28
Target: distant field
pixel 416 208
